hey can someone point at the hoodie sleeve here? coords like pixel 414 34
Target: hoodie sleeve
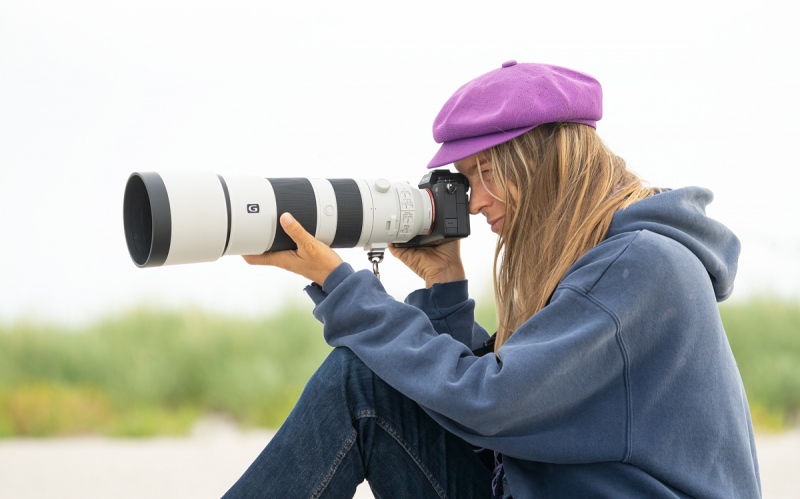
pixel 556 395
pixel 450 311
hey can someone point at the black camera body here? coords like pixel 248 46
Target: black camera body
pixel 450 199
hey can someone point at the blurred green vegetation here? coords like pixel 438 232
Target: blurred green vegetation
pixel 156 372
pixel 764 335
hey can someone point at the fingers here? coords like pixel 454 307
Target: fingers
pixel 312 259
pixel 395 251
pixel 307 245
pixel 262 259
pixel 295 230
pixel 434 264
pixel 284 259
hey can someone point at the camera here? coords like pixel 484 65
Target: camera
pixel 190 217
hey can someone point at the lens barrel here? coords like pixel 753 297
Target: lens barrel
pixel 189 217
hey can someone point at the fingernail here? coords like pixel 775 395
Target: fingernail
pixel 286 219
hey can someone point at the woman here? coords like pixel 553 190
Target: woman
pixel 610 376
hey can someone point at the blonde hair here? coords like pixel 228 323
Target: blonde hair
pixel 568 184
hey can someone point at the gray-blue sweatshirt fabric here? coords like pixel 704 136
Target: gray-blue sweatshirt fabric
pixel 624 385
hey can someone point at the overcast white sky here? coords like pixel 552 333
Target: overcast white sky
pixel 702 93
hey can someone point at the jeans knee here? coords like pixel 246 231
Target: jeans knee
pixel 341 362
pixel 342 356
pixel 340 368
pixel 345 374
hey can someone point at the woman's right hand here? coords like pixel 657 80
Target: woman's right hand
pixel 434 264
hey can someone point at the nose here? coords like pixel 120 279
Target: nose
pixel 479 199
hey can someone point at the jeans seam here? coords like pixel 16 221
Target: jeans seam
pixel 326 480
pixel 382 423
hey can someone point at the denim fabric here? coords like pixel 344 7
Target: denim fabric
pixel 348 426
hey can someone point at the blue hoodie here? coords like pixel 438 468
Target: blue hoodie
pixel 624 385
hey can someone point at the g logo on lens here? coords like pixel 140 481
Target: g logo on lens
pixel 252 208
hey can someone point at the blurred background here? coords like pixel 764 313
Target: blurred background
pixel 695 93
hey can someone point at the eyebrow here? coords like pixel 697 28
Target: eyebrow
pixel 460 165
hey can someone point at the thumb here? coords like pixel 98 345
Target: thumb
pixel 294 230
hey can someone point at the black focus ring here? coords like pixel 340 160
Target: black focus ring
pixel 295 196
pixel 350 216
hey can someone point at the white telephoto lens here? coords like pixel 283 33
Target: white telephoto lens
pixel 190 217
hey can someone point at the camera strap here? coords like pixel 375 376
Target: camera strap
pixel 487 347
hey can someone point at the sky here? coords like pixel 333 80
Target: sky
pixel 695 93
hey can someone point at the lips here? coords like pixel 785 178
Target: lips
pixel 496 224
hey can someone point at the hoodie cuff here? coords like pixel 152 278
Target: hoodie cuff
pixel 440 299
pixel 318 293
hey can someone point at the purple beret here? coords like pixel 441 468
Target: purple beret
pixel 507 102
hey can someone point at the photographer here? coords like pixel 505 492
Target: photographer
pixel 610 374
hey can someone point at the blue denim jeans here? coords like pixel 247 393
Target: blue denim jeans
pixel 349 426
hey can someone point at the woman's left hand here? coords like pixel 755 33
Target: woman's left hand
pixel 312 259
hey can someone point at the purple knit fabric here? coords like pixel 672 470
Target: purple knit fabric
pixel 507 102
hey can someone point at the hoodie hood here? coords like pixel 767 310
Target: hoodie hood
pixel 680 215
